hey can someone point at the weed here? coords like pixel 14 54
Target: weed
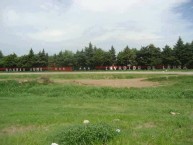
pixel 86 134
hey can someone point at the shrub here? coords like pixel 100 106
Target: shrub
pixel 87 134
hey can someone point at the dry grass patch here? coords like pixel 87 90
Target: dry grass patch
pixel 146 125
pixel 17 129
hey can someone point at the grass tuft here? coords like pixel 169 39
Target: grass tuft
pixel 86 134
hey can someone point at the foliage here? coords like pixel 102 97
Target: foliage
pixel 1 57
pixel 178 51
pixel 41 59
pixel 65 58
pixel 86 134
pixel 168 57
pixel 112 56
pixel 10 60
pixel 181 55
pixel 126 57
pixel 98 57
pixel 149 55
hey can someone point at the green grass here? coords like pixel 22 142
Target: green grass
pixel 31 113
pixel 80 75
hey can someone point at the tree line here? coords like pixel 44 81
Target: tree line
pixel 91 56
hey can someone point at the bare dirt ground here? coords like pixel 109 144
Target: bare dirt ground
pixel 117 83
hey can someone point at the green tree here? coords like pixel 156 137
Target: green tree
pixel 179 50
pixel 80 59
pixel 68 58
pixel 168 58
pixel 59 59
pixel 188 55
pixel 41 59
pixel 113 57
pixel 127 57
pixel 31 59
pixel 1 59
pixel 89 53
pixel 1 55
pixel 98 57
pixel 10 61
pixel 52 60
pixel 65 58
pixel 107 59
pixel 23 61
pixel 190 62
pixel 120 58
pixel 149 56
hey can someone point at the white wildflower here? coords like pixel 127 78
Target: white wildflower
pixel 86 121
pixel 54 144
pixel 118 130
pixel 173 113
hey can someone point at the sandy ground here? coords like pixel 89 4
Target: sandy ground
pixel 118 83
pixel 137 83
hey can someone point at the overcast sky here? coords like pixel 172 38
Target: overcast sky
pixel 71 24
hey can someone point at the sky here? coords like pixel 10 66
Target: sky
pixel 55 25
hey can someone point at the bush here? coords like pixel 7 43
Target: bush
pixel 87 134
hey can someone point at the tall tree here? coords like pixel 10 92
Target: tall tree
pixel 23 61
pixel 1 54
pixel 59 59
pixel 98 57
pixel 168 58
pixel 190 62
pixel 89 53
pixel 127 57
pixel 30 59
pixel 120 58
pixel 41 60
pixel 179 50
pixel 80 59
pixel 10 61
pixel 187 55
pixel 68 58
pixel 113 58
pixel 1 58
pixel 107 60
pixel 149 56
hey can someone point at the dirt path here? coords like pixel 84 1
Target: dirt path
pixel 118 83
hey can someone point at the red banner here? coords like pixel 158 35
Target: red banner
pixel 37 69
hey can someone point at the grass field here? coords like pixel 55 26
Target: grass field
pixel 31 112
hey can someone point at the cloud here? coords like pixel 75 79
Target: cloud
pixel 121 6
pixel 136 20
pixel 48 35
pixel 74 23
pixel 10 16
pixel 56 35
pixel 106 6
